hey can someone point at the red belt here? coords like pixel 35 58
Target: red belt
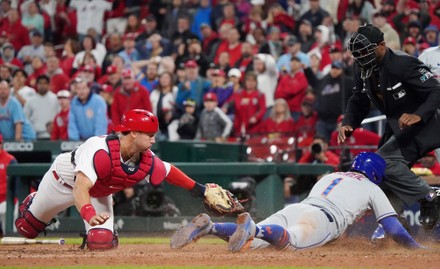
pixel 57 177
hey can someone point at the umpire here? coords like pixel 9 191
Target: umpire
pixel 403 89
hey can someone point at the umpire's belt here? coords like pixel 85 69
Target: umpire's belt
pixel 60 180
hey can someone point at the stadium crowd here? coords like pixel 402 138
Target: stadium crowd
pixel 215 70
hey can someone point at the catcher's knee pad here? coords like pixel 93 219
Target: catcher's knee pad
pixel 101 239
pixel 28 225
pixel 26 203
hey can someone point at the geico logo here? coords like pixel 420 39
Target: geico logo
pixel 69 146
pixel 412 217
pixel 19 146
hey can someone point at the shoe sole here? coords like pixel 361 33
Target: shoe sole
pixel 243 236
pixel 191 232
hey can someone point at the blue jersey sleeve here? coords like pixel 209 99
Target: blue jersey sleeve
pixel 395 229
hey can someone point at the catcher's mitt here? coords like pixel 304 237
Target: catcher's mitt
pixel 221 202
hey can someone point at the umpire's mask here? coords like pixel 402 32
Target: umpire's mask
pixel 363 45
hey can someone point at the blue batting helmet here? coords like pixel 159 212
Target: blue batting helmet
pixel 371 165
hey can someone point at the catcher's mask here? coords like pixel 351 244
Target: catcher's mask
pixel 363 46
pixel 371 165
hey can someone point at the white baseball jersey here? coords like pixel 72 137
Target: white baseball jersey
pixel 431 58
pixel 54 194
pixel 336 201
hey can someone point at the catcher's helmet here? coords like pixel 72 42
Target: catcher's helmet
pixel 362 46
pixel 138 120
pixel 371 165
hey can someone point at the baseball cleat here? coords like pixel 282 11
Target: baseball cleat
pixel 429 210
pixel 378 234
pixel 244 234
pixel 198 227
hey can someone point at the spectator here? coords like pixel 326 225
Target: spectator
pixel 361 8
pixel 245 62
pixel 293 50
pixel 8 56
pixel 90 60
pixel 410 17
pixel 36 48
pixel 5 73
pixel 319 153
pixel 274 44
pixel 114 48
pixel 254 20
pixel 210 41
pixel 431 35
pixel 90 14
pixel 113 77
pixel 410 46
pixel 193 87
pixel 149 28
pixel 5 160
pixel 427 165
pixel 42 107
pixel 188 122
pixel 315 15
pixel 195 53
pixel 390 35
pixel 214 124
pixel 306 124
pixel 18 35
pixel 149 78
pixel 88 113
pixel 224 61
pixel 170 22
pixel 292 87
pixel 305 35
pixel 228 16
pixel 267 75
pixel 13 124
pixel 129 54
pixel 71 48
pixel 19 89
pixel 31 17
pixel 89 45
pixel 154 47
pixel 133 24
pixel 58 80
pixel 259 36
pixel 315 63
pixel 61 120
pixel 279 123
pixel 222 90
pixel 278 17
pixel 232 45
pixel 131 95
pixel 183 33
pixel 234 76
pixel 202 16
pixel 249 106
pixel 163 98
pixel 332 92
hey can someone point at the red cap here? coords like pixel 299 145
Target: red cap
pixel 107 88
pixel 191 64
pixel 112 69
pixel 87 68
pixel 409 40
pixel 218 72
pixel 431 153
pixel 210 96
pixel 131 36
pixel 127 73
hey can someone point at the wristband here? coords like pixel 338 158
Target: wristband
pixel 87 212
pixel 198 190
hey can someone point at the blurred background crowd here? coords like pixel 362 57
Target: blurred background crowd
pixel 259 72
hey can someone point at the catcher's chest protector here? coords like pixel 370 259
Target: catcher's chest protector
pixel 111 175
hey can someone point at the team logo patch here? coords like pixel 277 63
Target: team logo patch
pixel 399 94
pixel 425 75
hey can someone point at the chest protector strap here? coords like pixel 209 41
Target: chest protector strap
pixel 111 175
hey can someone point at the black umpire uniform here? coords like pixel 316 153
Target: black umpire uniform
pixel 400 84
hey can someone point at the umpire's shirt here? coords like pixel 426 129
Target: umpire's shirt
pixel 400 84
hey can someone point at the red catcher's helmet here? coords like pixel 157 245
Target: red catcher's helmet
pixel 138 120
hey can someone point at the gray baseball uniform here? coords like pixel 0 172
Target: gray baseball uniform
pixel 336 201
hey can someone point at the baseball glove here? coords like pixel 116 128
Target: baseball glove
pixel 221 202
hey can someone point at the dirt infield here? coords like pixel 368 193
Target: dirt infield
pixel 348 253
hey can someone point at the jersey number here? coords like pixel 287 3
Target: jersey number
pixel 331 186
